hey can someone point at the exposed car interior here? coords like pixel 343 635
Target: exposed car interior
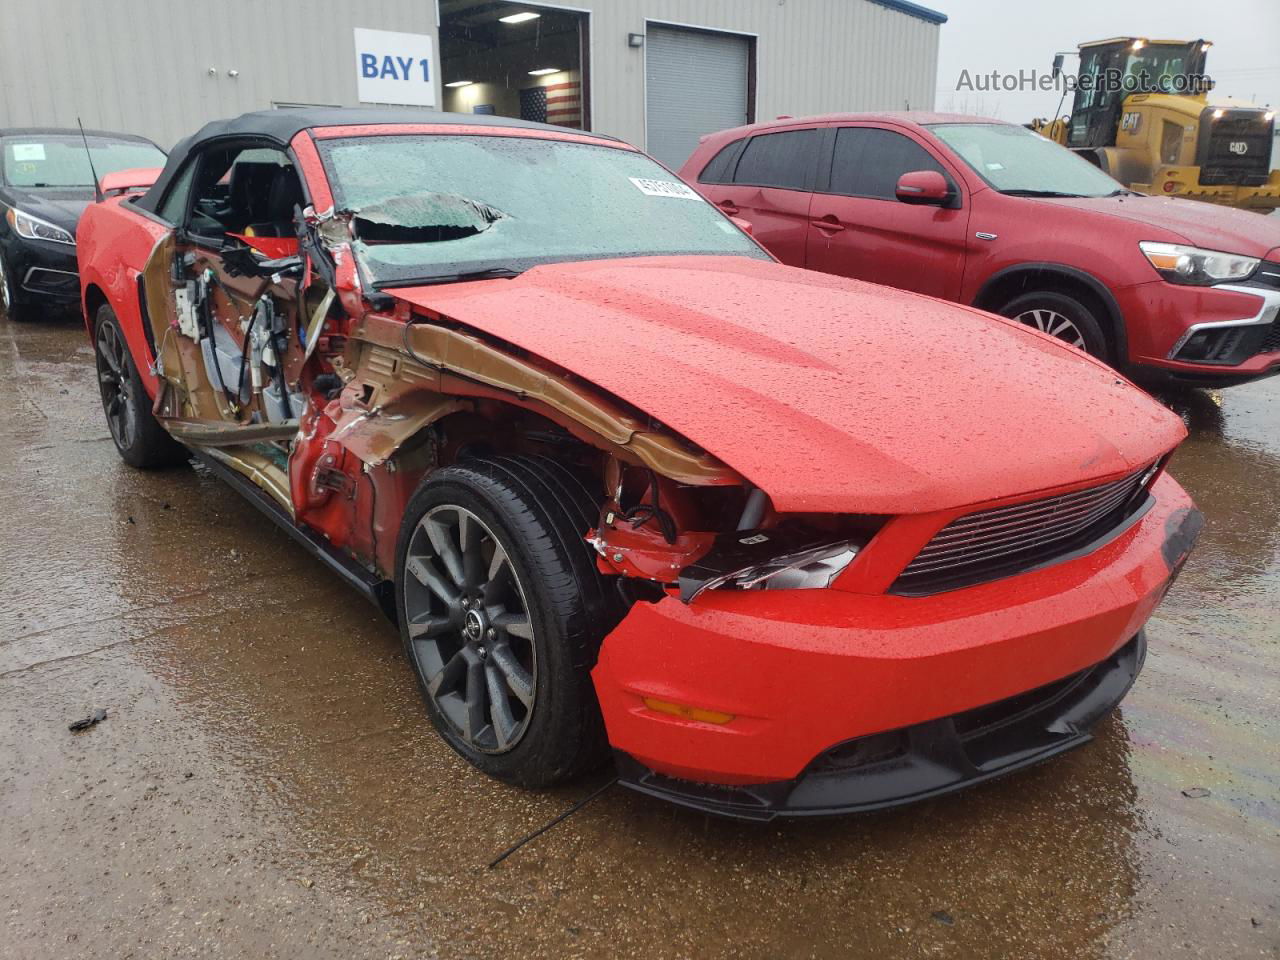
pixel 251 192
pixel 231 290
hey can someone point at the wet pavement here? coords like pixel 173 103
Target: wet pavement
pixel 266 784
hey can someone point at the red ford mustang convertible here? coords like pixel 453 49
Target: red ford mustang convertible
pixel 785 543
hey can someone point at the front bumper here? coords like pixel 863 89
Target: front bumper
pixel 924 760
pixel 798 671
pixel 42 272
pixel 1185 182
pixel 1202 336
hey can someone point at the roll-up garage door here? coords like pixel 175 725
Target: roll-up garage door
pixel 696 83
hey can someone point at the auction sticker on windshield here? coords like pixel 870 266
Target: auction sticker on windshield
pixel 664 188
pixel 26 152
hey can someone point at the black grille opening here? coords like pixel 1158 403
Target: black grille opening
pixel 1271 342
pixel 862 752
pixel 1235 148
pixel 1221 345
pixel 1004 541
pixel 40 280
pixel 981 721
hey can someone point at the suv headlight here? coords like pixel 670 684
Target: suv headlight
pixel 1191 265
pixel 33 228
pixel 767 560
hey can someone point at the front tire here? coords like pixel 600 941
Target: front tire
pixel 138 436
pixel 502 612
pixel 1063 317
pixel 11 308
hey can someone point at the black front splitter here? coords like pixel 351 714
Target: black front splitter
pixel 921 761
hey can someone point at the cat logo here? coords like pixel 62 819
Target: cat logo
pixel 1131 121
pixel 1239 147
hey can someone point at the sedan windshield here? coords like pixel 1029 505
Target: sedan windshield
pixel 435 206
pixel 42 160
pixel 1015 160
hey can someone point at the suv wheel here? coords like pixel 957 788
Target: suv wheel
pixel 138 436
pixel 1060 316
pixel 501 613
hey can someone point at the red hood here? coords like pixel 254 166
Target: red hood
pixel 1199 224
pixel 830 394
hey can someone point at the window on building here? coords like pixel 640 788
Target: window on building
pixel 868 162
pixel 779 160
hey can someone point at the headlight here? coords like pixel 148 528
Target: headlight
pixel 33 228
pixel 767 560
pixel 1191 265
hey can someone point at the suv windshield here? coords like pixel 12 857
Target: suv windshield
pixel 435 205
pixel 1015 160
pixel 42 160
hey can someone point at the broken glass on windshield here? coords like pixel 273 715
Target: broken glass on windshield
pixel 423 218
pixel 427 206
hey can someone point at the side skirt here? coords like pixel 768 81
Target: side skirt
pixel 377 591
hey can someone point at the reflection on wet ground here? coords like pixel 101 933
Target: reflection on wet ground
pixel 266 785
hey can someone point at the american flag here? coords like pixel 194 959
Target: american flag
pixel 559 103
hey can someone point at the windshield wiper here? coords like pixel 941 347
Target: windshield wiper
pixel 489 273
pixel 1039 193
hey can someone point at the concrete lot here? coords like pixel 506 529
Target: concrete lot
pixel 266 783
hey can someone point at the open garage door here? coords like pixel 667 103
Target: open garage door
pixel 516 60
pixel 696 82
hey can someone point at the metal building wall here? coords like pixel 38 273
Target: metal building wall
pixel 141 66
pixel 813 56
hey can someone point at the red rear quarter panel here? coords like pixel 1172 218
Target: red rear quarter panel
pixel 113 243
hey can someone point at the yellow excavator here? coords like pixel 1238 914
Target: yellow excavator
pixel 1142 112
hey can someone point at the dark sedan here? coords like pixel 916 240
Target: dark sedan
pixel 45 183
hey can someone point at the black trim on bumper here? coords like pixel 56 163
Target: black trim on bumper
pixel 1157 377
pixel 925 760
pixel 42 272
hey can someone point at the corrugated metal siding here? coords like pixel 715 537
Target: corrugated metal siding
pixel 813 56
pixel 716 65
pixel 142 65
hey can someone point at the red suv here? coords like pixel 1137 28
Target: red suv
pixel 993 215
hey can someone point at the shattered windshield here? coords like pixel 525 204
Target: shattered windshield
pixel 431 206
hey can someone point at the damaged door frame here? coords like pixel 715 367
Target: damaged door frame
pixel 226 443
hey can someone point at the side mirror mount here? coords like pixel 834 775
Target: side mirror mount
pixel 744 225
pixel 926 188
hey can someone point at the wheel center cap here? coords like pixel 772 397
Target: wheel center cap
pixel 473 625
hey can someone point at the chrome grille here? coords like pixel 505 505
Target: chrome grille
pixel 994 543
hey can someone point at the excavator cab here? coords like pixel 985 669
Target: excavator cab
pixel 1111 70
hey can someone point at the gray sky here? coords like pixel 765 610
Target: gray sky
pixel 1008 35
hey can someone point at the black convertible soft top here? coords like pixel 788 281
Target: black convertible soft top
pixel 281 126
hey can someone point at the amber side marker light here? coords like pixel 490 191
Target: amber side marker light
pixel 688 713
